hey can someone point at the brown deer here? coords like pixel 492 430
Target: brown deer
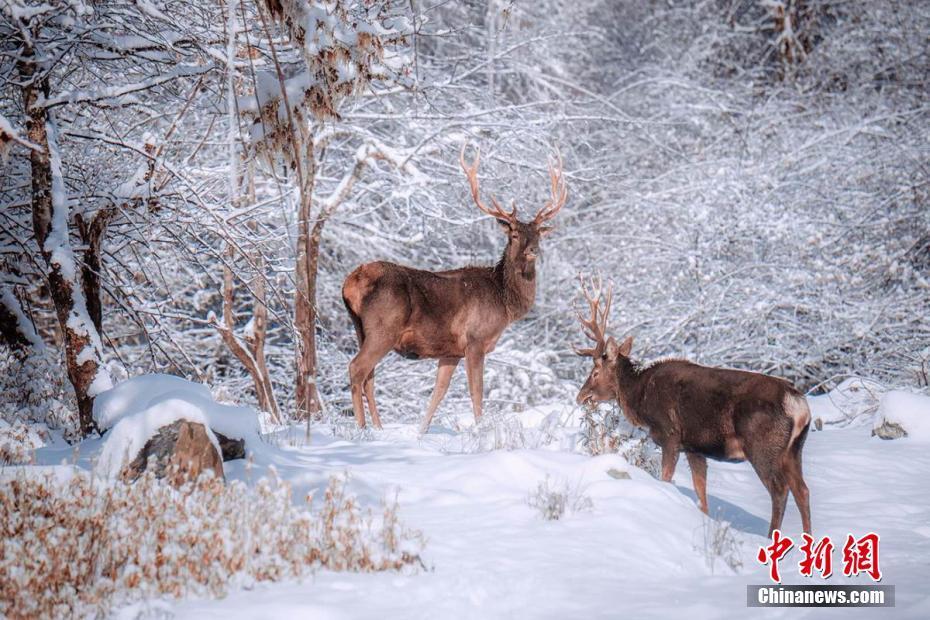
pixel 447 315
pixel 724 414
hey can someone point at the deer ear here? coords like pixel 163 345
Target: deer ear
pixel 505 224
pixel 546 230
pixel 626 347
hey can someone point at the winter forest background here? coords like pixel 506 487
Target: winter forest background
pixel 753 176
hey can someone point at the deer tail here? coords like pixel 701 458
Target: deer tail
pixel 796 408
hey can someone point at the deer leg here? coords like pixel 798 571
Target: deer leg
pixel 369 388
pixel 771 474
pixel 356 390
pixel 443 377
pixel 798 488
pixel 361 366
pixel 474 369
pixel 779 492
pixel 698 464
pixel 669 460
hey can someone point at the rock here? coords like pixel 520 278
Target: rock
pixel 901 414
pixel 818 424
pixel 232 449
pixel 618 474
pixel 182 449
pixel 889 430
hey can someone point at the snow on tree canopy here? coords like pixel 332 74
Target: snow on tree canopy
pixel 342 46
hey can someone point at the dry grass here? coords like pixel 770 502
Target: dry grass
pixel 82 546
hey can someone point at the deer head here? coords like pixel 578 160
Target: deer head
pixel 603 382
pixel 523 237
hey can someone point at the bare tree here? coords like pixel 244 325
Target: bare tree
pixel 312 79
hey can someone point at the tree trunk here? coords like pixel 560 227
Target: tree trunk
pixel 256 342
pixel 83 351
pixel 254 361
pixel 308 399
pixel 92 235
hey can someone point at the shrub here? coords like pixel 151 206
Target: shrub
pixel 554 502
pixel 607 432
pixel 718 542
pixel 494 431
pixel 33 391
pixel 82 546
pixel 642 452
pixel 601 430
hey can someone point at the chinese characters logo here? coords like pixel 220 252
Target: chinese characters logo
pixel 859 556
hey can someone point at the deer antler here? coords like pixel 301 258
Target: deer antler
pixel 595 328
pixel 558 191
pixel 471 172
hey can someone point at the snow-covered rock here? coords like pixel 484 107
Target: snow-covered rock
pixel 130 434
pixel 136 409
pixel 906 411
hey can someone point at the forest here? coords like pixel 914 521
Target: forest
pixel 186 185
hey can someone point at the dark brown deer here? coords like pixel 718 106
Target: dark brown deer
pixel 724 414
pixel 446 315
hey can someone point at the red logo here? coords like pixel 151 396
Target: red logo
pixel 817 557
pixel 774 552
pixel 859 556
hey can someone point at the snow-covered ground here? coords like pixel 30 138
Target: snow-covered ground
pixel 638 551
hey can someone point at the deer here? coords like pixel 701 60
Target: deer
pixel 718 413
pixel 447 315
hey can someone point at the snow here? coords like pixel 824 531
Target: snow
pixel 638 550
pixel 909 411
pixel 490 555
pixel 136 395
pixel 56 243
pixel 8 135
pixel 115 92
pixel 636 553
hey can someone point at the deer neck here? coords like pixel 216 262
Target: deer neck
pixel 518 283
pixel 630 385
